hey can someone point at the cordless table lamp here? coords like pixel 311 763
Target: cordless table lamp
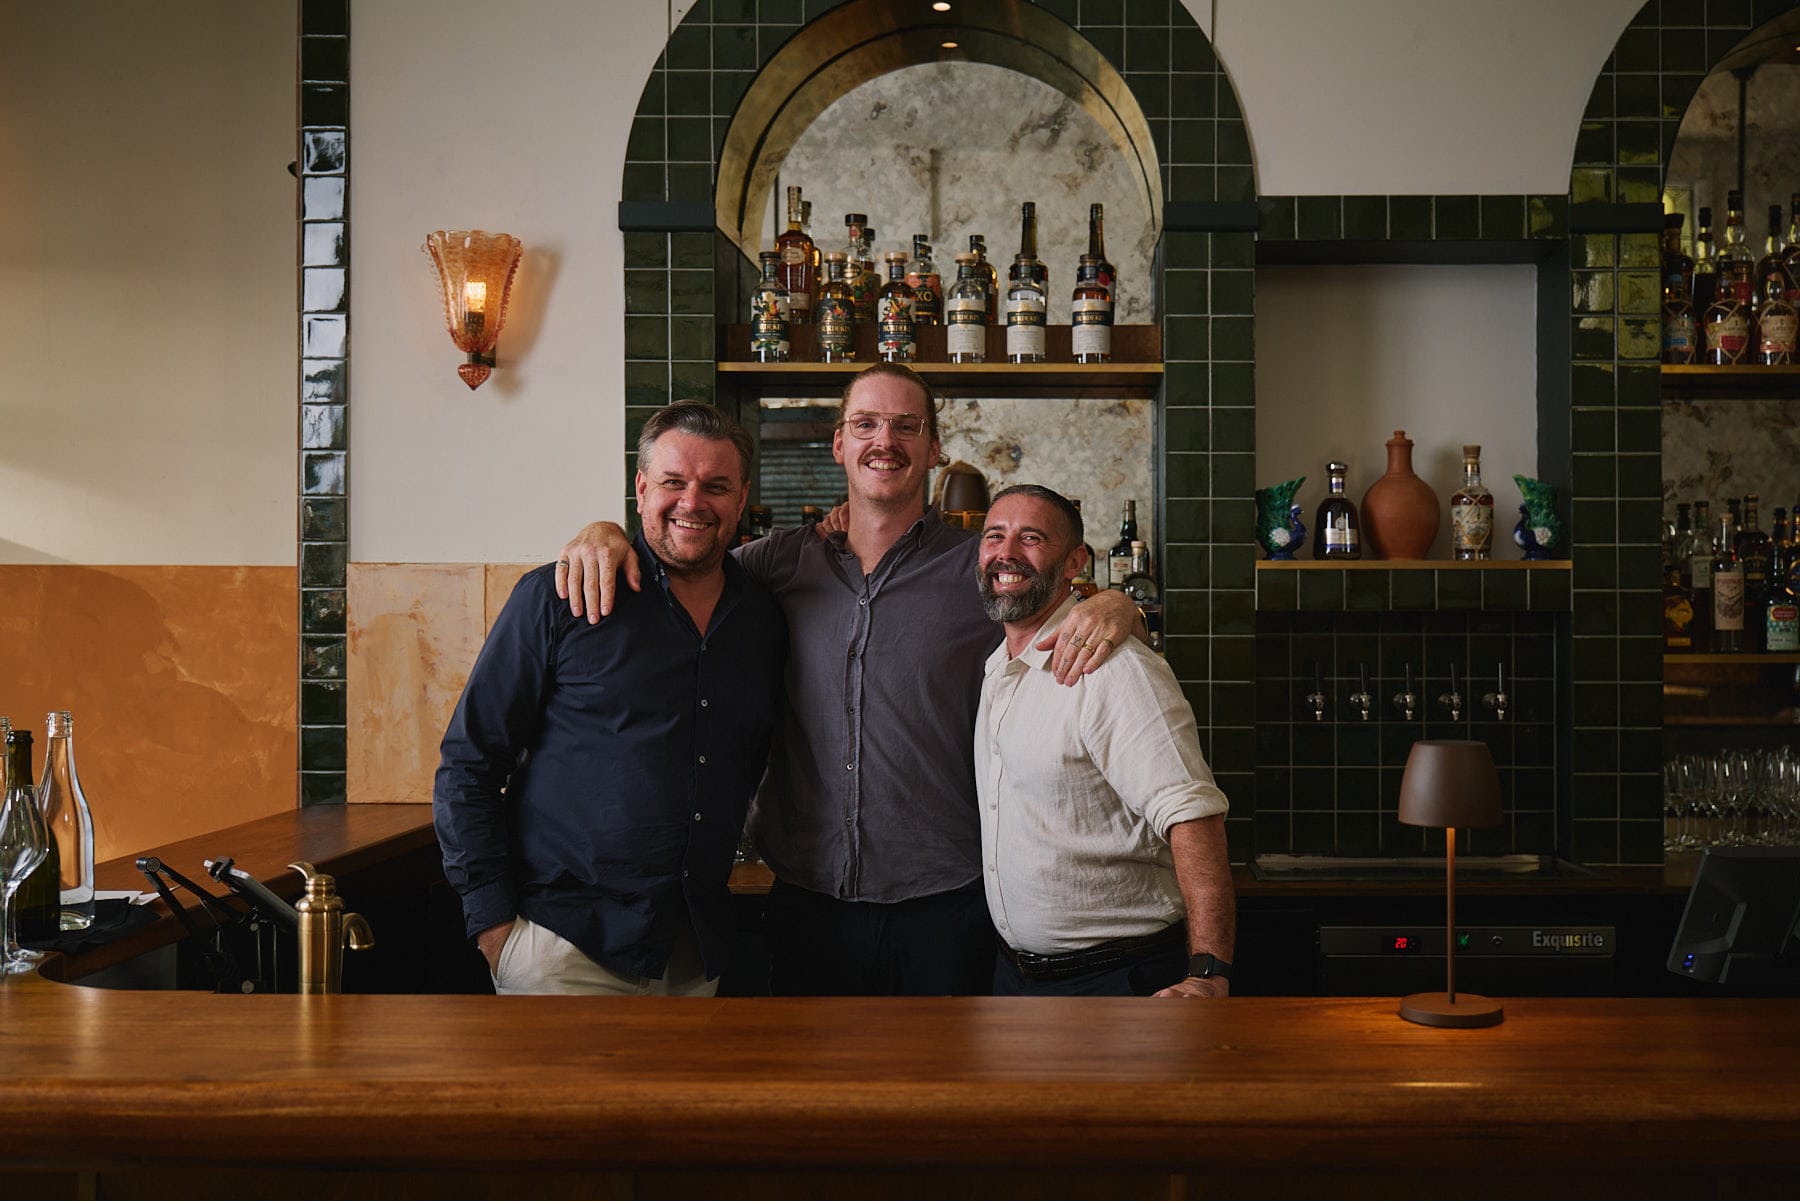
pixel 1449 784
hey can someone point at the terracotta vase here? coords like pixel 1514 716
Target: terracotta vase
pixel 1399 511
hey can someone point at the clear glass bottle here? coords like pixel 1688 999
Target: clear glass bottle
pixel 990 279
pixel 1472 512
pixel 1097 246
pixel 926 284
pixel 798 275
pixel 37 905
pixel 1678 339
pixel 1727 321
pixel 1335 528
pixel 1777 323
pixel 896 336
pixel 1025 314
pixel 1091 314
pixel 818 259
pixel 1705 278
pixel 65 809
pixel 859 273
pixel 836 317
pixel 770 313
pixel 1727 592
pixel 1754 549
pixel 965 313
pixel 1027 261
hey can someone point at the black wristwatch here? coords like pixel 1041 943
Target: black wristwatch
pixel 1205 966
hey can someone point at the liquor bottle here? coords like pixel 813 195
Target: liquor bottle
pixel 1681 546
pixel 1028 252
pixel 1790 253
pixel 1335 529
pixel 990 279
pixel 770 314
pixel 1777 324
pixel 1727 592
pixel 71 823
pixel 762 522
pixel 1025 313
pixel 1753 549
pixel 1677 610
pixel 818 259
pixel 797 274
pixel 1097 245
pixel 1084 584
pixel 1091 313
pixel 836 317
pixel 926 284
pixel 1705 277
pixel 1678 340
pixel 1781 619
pixel 859 271
pixel 1727 321
pixel 37 904
pixel 871 270
pixel 1781 551
pixel 1700 558
pixel 965 313
pixel 1472 512
pixel 1140 585
pixel 896 337
pixel 1118 560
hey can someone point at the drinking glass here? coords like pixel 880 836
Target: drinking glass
pixel 24 841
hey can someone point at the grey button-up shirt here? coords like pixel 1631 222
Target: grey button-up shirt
pixel 870 794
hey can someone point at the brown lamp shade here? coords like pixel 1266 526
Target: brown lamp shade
pixel 1450 783
pixel 475 275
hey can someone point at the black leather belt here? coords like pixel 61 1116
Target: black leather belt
pixel 1100 957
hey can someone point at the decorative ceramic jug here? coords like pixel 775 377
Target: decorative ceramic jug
pixel 1399 511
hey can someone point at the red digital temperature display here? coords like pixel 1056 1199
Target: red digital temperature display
pixel 1402 943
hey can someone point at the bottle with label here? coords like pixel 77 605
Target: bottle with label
pixel 1335 528
pixel 1781 613
pixel 1678 341
pixel 871 269
pixel 1091 314
pixel 1727 321
pixel 836 317
pixel 1025 314
pixel 1705 278
pixel 965 313
pixel 1781 549
pixel 1472 512
pixel 1777 324
pixel 37 905
pixel 896 337
pixel 1699 578
pixel 1790 253
pixel 1118 560
pixel 818 259
pixel 1027 260
pixel 797 273
pixel 1097 247
pixel 927 286
pixel 1753 551
pixel 770 313
pixel 1727 592
pixel 990 279
pixel 1140 585
pixel 859 273
pixel 1677 610
pixel 65 810
pixel 1083 585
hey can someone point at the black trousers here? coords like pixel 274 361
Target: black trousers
pixel 819 946
pixel 1141 976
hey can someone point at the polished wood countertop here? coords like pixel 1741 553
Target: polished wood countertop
pixel 106 1078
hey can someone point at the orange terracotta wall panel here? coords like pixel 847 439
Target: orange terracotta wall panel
pixel 182 683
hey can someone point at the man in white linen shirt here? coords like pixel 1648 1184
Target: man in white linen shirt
pixel 1102 831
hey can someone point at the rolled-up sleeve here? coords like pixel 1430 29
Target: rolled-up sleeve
pixel 1140 732
pixel 493 726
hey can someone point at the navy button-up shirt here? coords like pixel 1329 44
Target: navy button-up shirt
pixel 594 778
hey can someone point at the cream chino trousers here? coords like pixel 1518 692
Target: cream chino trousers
pixel 534 960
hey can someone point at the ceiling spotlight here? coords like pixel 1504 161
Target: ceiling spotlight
pixel 948 45
pixel 942 6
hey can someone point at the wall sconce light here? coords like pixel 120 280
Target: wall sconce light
pixel 475 272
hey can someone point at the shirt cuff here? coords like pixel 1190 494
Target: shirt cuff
pixel 488 905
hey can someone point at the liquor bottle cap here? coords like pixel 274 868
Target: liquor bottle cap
pixel 856 218
pixel 964 257
pixel 1471 452
pixel 835 256
pixel 766 255
pixel 1336 468
pixel 895 256
pixel 1706 214
pixel 1734 200
pixel 1674 220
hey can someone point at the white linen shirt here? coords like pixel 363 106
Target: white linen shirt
pixel 1078 788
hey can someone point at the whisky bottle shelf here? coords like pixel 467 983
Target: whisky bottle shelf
pixel 1741 381
pixel 1726 660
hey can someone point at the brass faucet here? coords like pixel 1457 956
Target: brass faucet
pixel 324 930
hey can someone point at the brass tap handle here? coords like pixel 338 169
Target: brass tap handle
pixel 357 934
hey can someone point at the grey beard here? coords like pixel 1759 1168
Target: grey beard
pixel 1020 605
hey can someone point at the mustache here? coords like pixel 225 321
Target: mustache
pixel 1010 566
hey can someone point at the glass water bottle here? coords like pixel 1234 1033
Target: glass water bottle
pixel 65 810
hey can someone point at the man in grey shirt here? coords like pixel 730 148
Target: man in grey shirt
pixel 868 813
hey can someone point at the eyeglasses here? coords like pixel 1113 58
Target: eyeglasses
pixel 867 425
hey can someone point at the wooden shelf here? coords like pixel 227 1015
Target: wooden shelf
pixel 1731 660
pixel 1743 723
pixel 1413 565
pixel 1727 382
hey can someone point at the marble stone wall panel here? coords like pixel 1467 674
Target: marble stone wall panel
pixel 1705 155
pixel 953 149
pixel 181 680
pixel 1713 449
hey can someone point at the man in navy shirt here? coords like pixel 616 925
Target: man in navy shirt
pixel 594 777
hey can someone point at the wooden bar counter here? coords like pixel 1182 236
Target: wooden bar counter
pixel 1214 1098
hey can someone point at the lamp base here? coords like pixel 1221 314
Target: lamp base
pixel 1437 1009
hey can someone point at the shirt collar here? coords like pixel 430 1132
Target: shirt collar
pixel 1032 657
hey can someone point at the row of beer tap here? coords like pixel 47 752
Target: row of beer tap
pixel 1409 701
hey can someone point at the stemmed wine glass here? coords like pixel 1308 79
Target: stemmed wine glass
pixel 24 841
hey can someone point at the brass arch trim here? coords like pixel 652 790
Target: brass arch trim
pixel 866 39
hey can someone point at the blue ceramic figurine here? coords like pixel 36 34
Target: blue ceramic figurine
pixel 1278 528
pixel 1539 529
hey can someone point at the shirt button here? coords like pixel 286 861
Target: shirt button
pixel 849 767
pixel 703 758
pixel 991 867
pixel 863 601
pixel 696 817
pixel 703 702
pixel 684 873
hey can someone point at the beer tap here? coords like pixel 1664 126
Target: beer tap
pixel 1454 698
pixel 1361 698
pixel 1496 700
pixel 1407 701
pixel 1316 698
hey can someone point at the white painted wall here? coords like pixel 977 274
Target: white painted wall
pixel 147 387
